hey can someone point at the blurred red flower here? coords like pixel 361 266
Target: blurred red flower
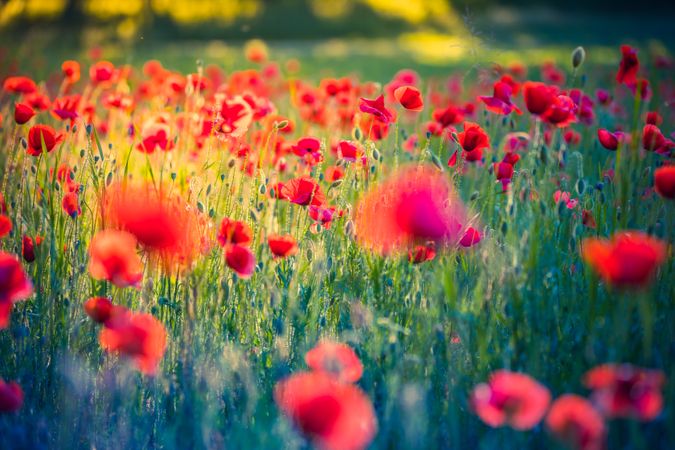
pixel 376 108
pixel 234 232
pixel 113 258
pixel 409 97
pixel 628 67
pixel 622 390
pixel 240 259
pixel 14 286
pixel 335 359
pixel 282 246
pixel 71 71
pixel 303 191
pixel 630 259
pixel 138 336
pixel 538 96
pixel 39 133
pixel 664 181
pixel 19 85
pixel 11 397
pixel 23 112
pixel 510 398
pixel 575 421
pixel 334 415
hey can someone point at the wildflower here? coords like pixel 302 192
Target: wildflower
pixel 561 112
pixel 376 108
pixel 538 96
pixel 240 259
pixel 282 246
pixel 138 336
pixel 71 71
pixel 102 72
pixel 23 113
pixel 630 259
pixel 628 67
pixel 11 397
pixel 14 286
pixel 19 85
pixel 71 204
pixel 5 225
pixel 28 247
pixel 422 253
pixel 664 181
pixel 512 399
pixel 39 134
pixel 302 191
pixel 622 390
pixel 471 237
pixel 335 359
pixel 100 309
pixel 409 97
pixel 575 421
pixel 113 258
pixel 608 139
pixel 654 141
pixel 500 102
pixel 448 116
pixel 333 415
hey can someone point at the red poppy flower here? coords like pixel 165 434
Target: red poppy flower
pixel 630 259
pixel 71 71
pixel 308 148
pixel 512 399
pixel 303 191
pixel 138 336
pixel 653 118
pixel 664 181
pixel 448 116
pixel 500 102
pixel 573 420
pixel 23 113
pixel 561 112
pixel 471 237
pixel 422 253
pixel 240 259
pixel 350 151
pixel 235 117
pixel 66 107
pixel 282 246
pixel 334 173
pixel 587 219
pixel 113 257
pixel 504 173
pixel 654 141
pixel 560 196
pixel 609 140
pixel 473 137
pixel 334 415
pixel 572 137
pixel 323 214
pixel 28 247
pixel 19 85
pixel 628 67
pixel 409 97
pixel 14 286
pixel 234 232
pixel 626 391
pixel 335 359
pixel 71 204
pixel 376 108
pixel 102 72
pixel 11 397
pixel 100 309
pixel 5 225
pixel 538 96
pixel 415 205
pixel 39 133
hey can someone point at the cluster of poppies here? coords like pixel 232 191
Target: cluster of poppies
pixel 617 391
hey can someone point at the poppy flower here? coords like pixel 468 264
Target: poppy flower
pixel 71 204
pixel 608 139
pixel 19 85
pixel 653 118
pixel 240 259
pixel 138 336
pixel 415 205
pixel 28 247
pixel 538 96
pixel 155 135
pixel 333 415
pixel 471 237
pixel 102 72
pixel 335 359
pixel 630 259
pixel 574 421
pixel 234 232
pixel 71 71
pixel 100 309
pixel 473 138
pixel 512 399
pixel 11 397
pixel 500 102
pixel 113 258
pixel 39 134
pixel 334 173
pixel 504 173
pixel 572 137
pixel 323 214
pixel 350 151
pixel 66 108
pixel 622 390
pixel 23 113
pixel 561 112
pixel 664 181
pixel 308 148
pixel 303 191
pixel 587 219
pixel 628 67
pixel 448 116
pixel 282 246
pixel 5 225
pixel 376 108
pixel 654 141
pixel 14 286
pixel 235 117
pixel 422 253
pixel 560 196
pixel 409 97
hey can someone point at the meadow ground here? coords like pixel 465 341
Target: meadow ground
pixel 206 344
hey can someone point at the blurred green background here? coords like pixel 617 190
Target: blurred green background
pixel 373 37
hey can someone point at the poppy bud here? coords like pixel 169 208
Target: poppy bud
pixel 23 112
pixel 578 57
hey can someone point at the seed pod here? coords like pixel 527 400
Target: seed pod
pixel 200 207
pixel 262 189
pixel 281 125
pixel 108 179
pixel 357 134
